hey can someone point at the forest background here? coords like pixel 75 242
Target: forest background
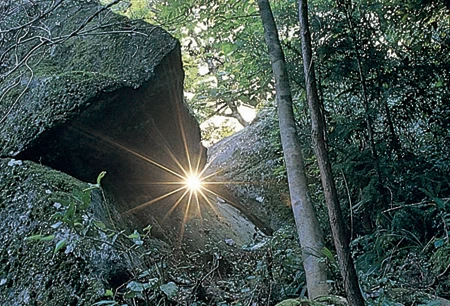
pixel 382 70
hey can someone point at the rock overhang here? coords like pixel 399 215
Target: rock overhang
pixel 107 100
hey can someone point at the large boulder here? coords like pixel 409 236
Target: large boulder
pixel 250 165
pixel 90 91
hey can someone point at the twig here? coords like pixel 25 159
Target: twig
pixel 20 96
pixel 443 273
pixel 52 8
pixel 420 204
pixel 89 19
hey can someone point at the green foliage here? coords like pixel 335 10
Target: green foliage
pixel 406 256
pixel 222 43
pixel 289 264
pixel 212 133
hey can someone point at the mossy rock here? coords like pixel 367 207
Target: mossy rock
pixel 108 52
pixel 31 273
pixel 106 92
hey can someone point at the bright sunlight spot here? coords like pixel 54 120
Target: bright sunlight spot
pixel 193 182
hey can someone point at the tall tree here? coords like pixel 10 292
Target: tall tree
pixel 309 233
pixel 340 235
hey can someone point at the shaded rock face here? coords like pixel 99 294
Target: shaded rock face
pixel 107 98
pixel 248 162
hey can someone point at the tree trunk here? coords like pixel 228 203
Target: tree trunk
pixel 310 235
pixel 340 233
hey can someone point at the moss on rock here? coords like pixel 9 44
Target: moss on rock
pixel 107 53
pixel 30 272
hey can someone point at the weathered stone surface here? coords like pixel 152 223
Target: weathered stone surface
pixel 247 162
pixel 30 274
pixel 107 98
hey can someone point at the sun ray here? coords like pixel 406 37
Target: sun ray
pixel 108 140
pixel 209 202
pixel 221 196
pixel 175 205
pixel 153 200
pixel 195 185
pixel 185 217
pixel 162 142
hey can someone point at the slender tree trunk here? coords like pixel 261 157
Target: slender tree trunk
pixel 310 235
pixel 340 233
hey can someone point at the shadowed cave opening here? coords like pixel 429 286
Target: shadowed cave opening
pixel 128 133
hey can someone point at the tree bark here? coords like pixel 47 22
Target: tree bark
pixel 340 233
pixel 310 235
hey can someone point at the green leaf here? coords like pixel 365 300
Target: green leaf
pixel 56 225
pixel 135 286
pixel 109 292
pixel 109 303
pixel 144 274
pixel 439 242
pixel 99 224
pixel 69 214
pixel 328 255
pixel 85 200
pixel 431 303
pixel 40 237
pixel 60 245
pixel 170 289
pixel 77 195
pixel 439 202
pixel 100 177
pixel 34 237
pixel 48 238
pixel 135 235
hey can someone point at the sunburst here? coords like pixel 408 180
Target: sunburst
pixel 190 184
pixel 193 182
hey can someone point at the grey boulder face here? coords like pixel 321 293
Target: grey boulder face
pixel 105 94
pixel 250 156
